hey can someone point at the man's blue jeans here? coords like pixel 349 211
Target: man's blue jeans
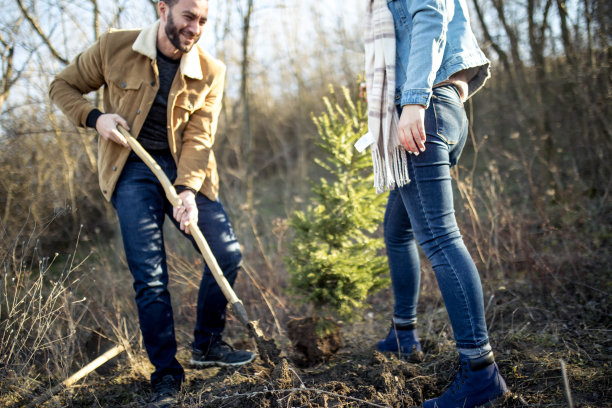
pixel 423 211
pixel 141 205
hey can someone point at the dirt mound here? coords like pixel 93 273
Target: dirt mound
pixel 373 380
pixel 316 340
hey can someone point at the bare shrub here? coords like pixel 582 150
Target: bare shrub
pixel 49 180
pixel 39 313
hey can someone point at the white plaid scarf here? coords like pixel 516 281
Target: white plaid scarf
pixel 388 156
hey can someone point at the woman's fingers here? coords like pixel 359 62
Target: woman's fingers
pixel 421 137
pixel 409 143
pixel 412 128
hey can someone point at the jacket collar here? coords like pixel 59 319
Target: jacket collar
pixel 146 44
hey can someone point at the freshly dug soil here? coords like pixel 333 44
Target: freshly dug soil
pixel 373 380
pixel 313 348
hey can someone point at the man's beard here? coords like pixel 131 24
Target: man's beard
pixel 174 36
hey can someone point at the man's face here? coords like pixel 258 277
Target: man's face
pixel 184 23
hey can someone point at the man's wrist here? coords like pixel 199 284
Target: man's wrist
pixel 92 118
pixel 179 189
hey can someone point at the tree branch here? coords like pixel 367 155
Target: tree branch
pixel 565 34
pixel 9 76
pixel 40 33
pixel 511 33
pixel 503 56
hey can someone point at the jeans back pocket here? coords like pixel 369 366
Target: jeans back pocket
pixel 447 114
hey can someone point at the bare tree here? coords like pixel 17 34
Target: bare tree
pixel 9 74
pixel 36 25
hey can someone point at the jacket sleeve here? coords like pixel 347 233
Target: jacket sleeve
pixel 85 74
pixel 427 41
pixel 199 136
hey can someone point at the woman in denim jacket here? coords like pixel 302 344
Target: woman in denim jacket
pixel 438 67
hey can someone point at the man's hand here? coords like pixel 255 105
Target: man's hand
pixel 412 128
pixel 187 213
pixel 106 125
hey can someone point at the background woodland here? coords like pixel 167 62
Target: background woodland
pixel 532 187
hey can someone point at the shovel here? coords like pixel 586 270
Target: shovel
pixel 268 351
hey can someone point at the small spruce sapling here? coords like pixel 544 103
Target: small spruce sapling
pixel 335 257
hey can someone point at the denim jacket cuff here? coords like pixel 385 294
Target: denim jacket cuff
pixel 415 97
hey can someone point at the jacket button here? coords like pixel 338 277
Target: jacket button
pixel 138 112
pixel 104 191
pixel 114 168
pixel 123 84
pixel 152 83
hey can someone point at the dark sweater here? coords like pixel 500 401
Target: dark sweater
pixel 154 132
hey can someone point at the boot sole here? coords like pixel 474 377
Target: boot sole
pixel 202 364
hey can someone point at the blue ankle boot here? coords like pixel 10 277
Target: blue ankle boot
pixel 477 384
pixel 403 340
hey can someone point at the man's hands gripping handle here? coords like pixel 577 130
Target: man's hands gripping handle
pixel 185 210
pixel 176 201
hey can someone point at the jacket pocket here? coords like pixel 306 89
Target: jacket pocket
pixel 183 109
pixel 186 104
pixel 124 94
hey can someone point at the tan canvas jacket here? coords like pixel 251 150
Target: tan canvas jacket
pixel 124 63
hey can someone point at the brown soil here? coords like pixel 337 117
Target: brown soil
pixel 314 348
pixel 532 330
pixel 368 380
pixel 268 351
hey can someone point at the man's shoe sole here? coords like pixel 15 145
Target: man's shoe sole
pixel 200 364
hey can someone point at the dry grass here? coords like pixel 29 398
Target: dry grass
pixel 547 298
pixel 40 315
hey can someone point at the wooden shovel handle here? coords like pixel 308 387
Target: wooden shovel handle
pixel 152 164
pixel 174 199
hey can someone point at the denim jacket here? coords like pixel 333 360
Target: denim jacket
pixel 434 40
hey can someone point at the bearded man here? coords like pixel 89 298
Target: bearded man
pixel 158 83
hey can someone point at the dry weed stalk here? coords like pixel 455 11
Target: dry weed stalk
pixel 39 313
pixel 566 387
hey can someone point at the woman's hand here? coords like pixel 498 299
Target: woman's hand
pixel 186 214
pixel 412 128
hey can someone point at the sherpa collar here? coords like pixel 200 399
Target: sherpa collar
pixel 146 44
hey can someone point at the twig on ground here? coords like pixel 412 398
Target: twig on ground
pixel 302 385
pixel 568 393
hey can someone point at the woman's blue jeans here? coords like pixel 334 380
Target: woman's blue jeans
pixel 422 211
pixel 142 206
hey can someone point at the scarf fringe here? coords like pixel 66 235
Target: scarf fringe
pixel 388 176
pixel 388 156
